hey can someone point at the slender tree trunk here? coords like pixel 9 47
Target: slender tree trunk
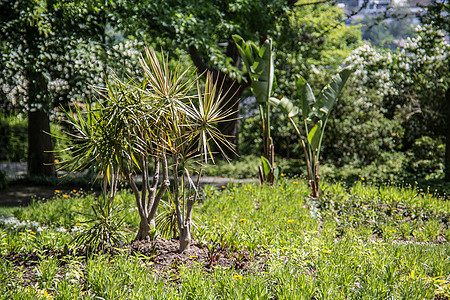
pixel 148 199
pixel 41 160
pixel 144 230
pixel 447 138
pixel 185 238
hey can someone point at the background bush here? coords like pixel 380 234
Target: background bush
pixel 13 138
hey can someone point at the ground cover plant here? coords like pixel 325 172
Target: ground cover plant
pixel 252 242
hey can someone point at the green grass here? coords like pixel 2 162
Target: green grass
pixel 358 242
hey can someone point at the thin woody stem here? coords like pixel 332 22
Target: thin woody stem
pixel 176 197
pixel 162 189
pixel 152 190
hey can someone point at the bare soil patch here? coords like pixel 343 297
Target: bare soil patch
pixel 22 195
pixel 163 254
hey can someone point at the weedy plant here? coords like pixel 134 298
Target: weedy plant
pixel 315 113
pixel 158 118
pixel 260 67
pixel 104 233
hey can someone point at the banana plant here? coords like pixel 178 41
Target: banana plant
pixel 259 64
pixel 315 113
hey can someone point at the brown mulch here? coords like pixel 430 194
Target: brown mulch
pixel 163 254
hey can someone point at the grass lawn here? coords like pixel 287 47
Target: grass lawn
pixel 358 242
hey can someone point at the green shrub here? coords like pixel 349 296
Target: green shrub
pixel 243 167
pixel 426 158
pixel 3 180
pixel 13 139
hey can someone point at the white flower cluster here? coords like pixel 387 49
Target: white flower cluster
pixel 372 68
pixel 58 85
pixel 64 69
pixel 390 73
pixel 16 224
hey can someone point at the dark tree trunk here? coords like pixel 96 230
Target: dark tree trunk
pixel 41 160
pixel 447 138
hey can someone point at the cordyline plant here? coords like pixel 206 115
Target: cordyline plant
pixel 315 115
pixel 260 67
pixel 160 119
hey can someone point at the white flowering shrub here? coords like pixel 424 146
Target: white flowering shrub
pixel 391 72
pixel 70 68
pixel 396 99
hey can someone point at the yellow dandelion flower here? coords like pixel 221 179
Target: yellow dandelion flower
pixel 214 220
pixel 430 195
pixel 57 191
pixel 289 230
pixel 237 276
pixel 282 174
pixel 208 192
pixel 77 224
pixel 66 196
pixel 290 221
pixel 242 220
pixel 392 231
pixel 193 256
pixel 74 191
pixel 362 178
pixel 224 211
pixel 223 186
pixel 56 161
pixel 245 189
pixel 32 232
pixel 295 182
pixel 231 197
pixel 327 251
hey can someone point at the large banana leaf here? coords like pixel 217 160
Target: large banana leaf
pixel 245 50
pixel 329 94
pixel 285 105
pixel 306 97
pixel 315 136
pixel 259 64
pixel 312 109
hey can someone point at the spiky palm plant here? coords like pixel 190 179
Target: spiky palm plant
pixel 157 118
pixel 193 142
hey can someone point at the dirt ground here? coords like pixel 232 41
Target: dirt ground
pixel 163 255
pixel 22 195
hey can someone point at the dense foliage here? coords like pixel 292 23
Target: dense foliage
pixel 394 106
pixel 395 110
